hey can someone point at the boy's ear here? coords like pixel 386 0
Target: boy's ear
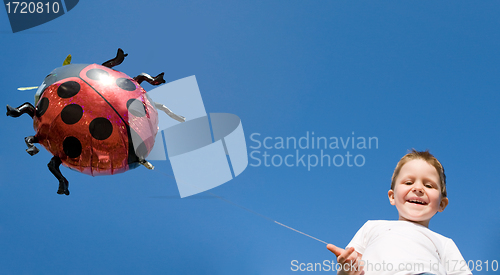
pixel 391 197
pixel 443 204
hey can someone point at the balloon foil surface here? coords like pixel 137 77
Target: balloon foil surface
pixel 97 120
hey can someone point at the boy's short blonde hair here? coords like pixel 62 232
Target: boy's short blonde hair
pixel 429 158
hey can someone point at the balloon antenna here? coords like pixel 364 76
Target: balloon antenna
pixel 27 88
pixel 67 61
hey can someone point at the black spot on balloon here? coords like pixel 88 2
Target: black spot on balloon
pixel 100 128
pixel 136 107
pixel 42 106
pixel 68 89
pixel 140 149
pixel 72 147
pixel 126 84
pixel 71 114
pixel 97 74
pixel 150 99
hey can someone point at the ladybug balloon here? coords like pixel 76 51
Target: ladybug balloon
pixel 93 119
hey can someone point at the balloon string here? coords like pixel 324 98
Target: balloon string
pixel 301 232
pixel 249 210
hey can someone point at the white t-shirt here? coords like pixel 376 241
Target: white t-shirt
pixel 404 248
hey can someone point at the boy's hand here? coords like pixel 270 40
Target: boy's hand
pixel 349 259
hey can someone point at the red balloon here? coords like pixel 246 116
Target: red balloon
pixel 93 119
pixel 88 120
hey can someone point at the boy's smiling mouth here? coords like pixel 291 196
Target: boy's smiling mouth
pixel 416 201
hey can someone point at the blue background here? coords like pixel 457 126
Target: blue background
pixel 420 74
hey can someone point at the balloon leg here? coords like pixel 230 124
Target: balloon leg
pixel 25 108
pixel 157 80
pixel 32 150
pixel 53 165
pixel 120 56
pixel 146 164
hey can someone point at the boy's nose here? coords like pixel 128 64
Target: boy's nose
pixel 418 188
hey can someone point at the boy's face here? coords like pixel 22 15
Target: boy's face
pixel 417 192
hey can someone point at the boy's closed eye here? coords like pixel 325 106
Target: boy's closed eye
pixel 427 185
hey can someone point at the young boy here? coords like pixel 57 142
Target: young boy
pixel 406 246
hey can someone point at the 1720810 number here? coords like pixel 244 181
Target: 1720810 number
pixel 32 7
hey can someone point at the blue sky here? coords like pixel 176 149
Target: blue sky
pixel 413 74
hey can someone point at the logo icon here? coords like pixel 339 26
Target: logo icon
pixel 206 150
